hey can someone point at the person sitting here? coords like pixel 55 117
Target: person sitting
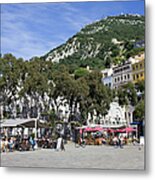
pixel 27 145
pixel 18 141
pixel 10 144
pixel 54 144
pixel 103 140
pixel 134 140
pixel 2 145
pixel 22 146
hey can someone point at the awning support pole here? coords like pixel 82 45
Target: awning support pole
pixel 35 128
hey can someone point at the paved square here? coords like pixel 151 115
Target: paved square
pixel 97 157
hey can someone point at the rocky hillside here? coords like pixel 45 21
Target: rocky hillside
pixel 101 43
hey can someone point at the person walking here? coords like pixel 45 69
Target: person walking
pixel 115 141
pixel 60 144
pixel 121 141
pixel 32 142
pixel 6 145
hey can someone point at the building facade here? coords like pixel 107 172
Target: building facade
pixel 138 69
pixel 122 74
pixel 118 116
pixel 107 78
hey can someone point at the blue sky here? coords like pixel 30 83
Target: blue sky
pixel 29 30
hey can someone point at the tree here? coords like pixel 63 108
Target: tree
pixel 35 86
pixel 127 95
pixel 140 88
pixel 99 96
pixel 81 72
pixel 139 115
pixel 10 81
pixel 139 112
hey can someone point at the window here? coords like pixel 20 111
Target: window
pixel 137 76
pixel 125 77
pixel 141 65
pixel 127 67
pixel 118 78
pixel 128 76
pixel 105 74
pixel 60 111
pixel 137 66
pixel 121 78
pixel 141 74
pixel 115 80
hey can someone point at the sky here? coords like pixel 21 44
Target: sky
pixel 34 29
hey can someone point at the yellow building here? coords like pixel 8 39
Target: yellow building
pixel 138 69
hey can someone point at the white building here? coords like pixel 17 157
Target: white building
pixel 107 78
pixel 122 74
pixel 116 117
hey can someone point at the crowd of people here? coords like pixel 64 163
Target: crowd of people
pixel 112 139
pixel 119 141
pixel 18 143
pixel 10 144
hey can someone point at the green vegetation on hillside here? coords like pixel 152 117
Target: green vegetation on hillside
pixel 95 46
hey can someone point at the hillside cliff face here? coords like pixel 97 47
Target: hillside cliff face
pixel 109 38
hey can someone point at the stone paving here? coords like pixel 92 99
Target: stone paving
pixel 97 157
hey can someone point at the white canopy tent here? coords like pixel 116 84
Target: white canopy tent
pixel 24 123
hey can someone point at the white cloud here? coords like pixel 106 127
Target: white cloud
pixel 34 29
pixel 19 38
